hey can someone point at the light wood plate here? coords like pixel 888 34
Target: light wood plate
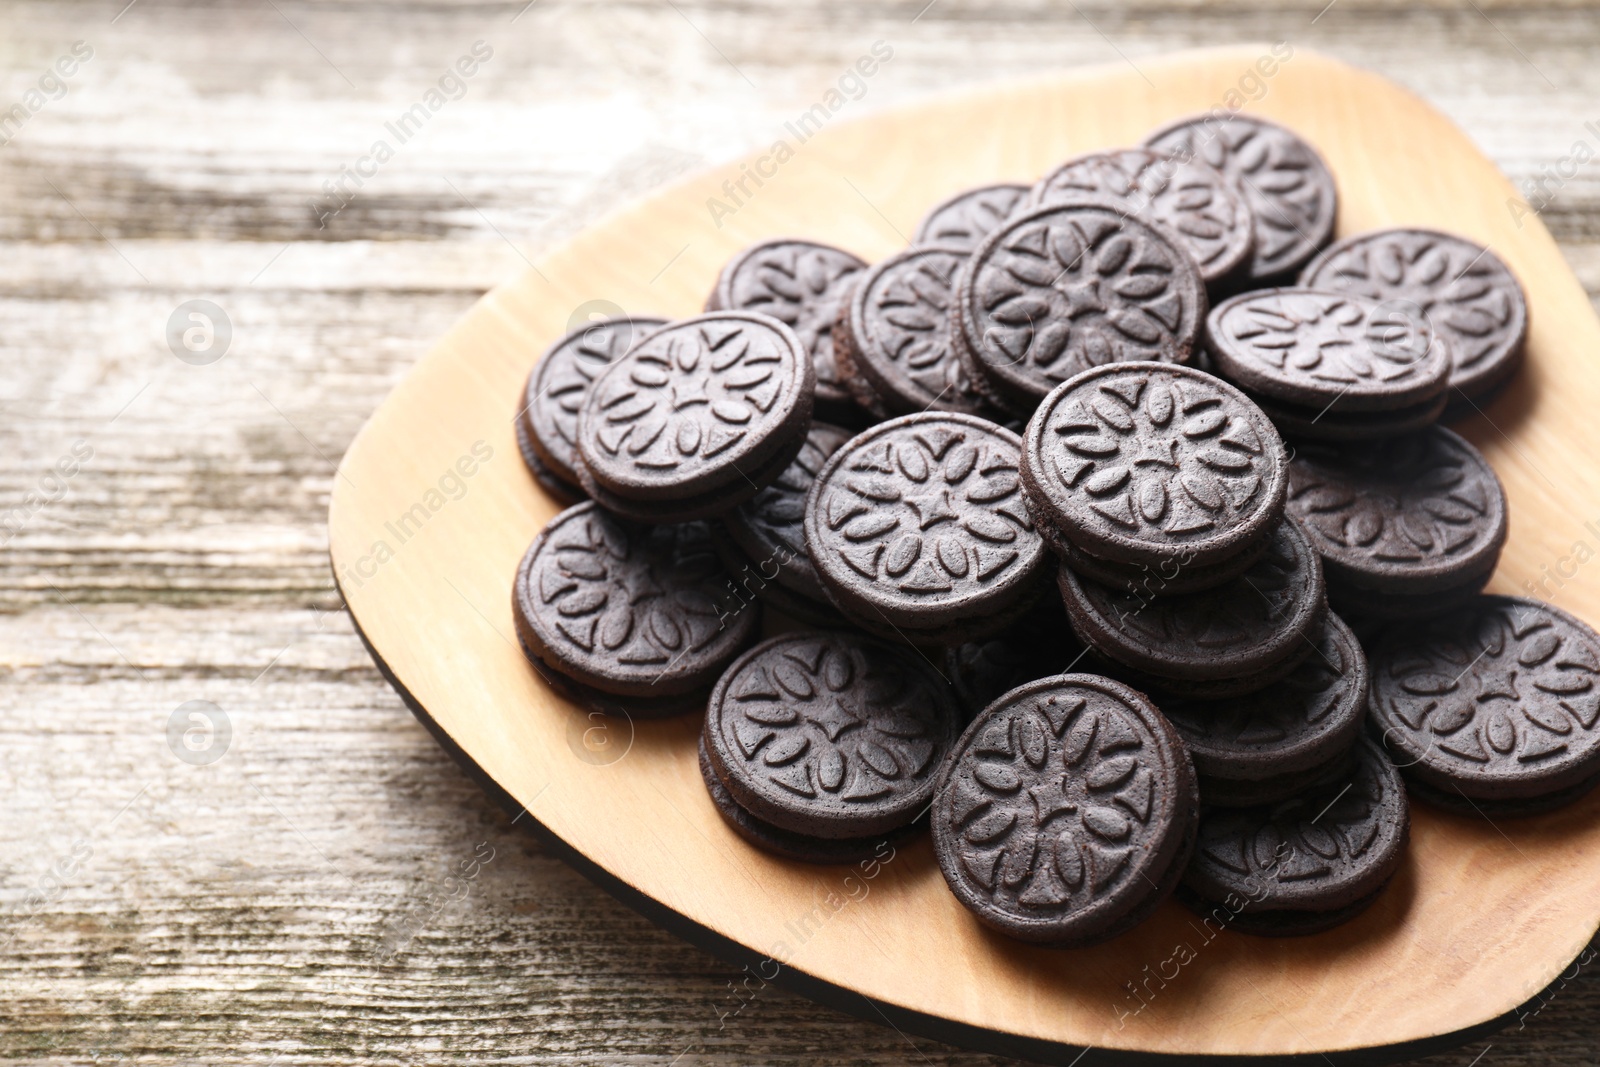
pixel 1481 916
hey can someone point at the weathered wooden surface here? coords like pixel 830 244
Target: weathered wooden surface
pixel 319 894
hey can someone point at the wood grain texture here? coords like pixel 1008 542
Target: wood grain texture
pixel 206 926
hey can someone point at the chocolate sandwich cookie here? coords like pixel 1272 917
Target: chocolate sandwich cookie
pixel 892 341
pixel 964 220
pixel 1264 746
pixel 1058 290
pixel 547 428
pixel 1200 206
pixel 697 418
pixel 1066 813
pixel 1408 516
pixel 1306 864
pixel 1240 635
pixel 1289 188
pixel 1467 292
pixel 1039 645
pixel 832 735
pixel 801 284
pixel 1334 352
pixel 626 617
pixel 788 844
pixel 1154 465
pixel 768 541
pixel 1492 707
pixel 918 530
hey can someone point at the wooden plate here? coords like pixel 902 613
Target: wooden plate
pixel 432 510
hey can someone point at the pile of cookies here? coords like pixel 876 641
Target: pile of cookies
pixel 1107 531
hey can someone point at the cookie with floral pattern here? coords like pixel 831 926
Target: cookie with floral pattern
pixel 1059 290
pixel 1147 463
pixel 1412 514
pixel 1493 706
pixel 697 418
pixel 1308 863
pixel 918 529
pixel 625 617
pixel 1466 291
pixel 830 734
pixel 1066 813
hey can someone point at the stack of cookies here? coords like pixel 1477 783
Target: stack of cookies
pixel 1107 531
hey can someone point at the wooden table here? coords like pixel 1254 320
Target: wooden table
pixel 332 889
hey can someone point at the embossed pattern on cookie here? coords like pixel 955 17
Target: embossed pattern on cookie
pixel 836 735
pixel 1144 462
pixel 801 284
pixel 1498 699
pixel 920 521
pixel 698 405
pixel 1467 292
pixel 1332 351
pixel 1056 291
pixel 1064 811
pixel 627 609
pixel 964 220
pixel 1194 200
pixel 1289 188
pixel 1415 513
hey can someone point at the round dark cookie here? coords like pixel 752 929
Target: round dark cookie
pixel 1198 203
pixel 1251 625
pixel 626 707
pixel 964 220
pixel 893 337
pixel 1467 292
pixel 754 580
pixel 790 845
pixel 1170 576
pixel 700 405
pixel 1155 464
pixel 1313 424
pixel 1290 190
pixel 801 284
pixel 1058 290
pixel 1335 351
pixel 1419 513
pixel 1063 810
pixel 628 610
pixel 1322 851
pixel 831 735
pixel 1497 700
pixel 1038 645
pixel 559 382
pixel 918 525
pixel 562 492
pixel 1299 723
pixel 771 524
